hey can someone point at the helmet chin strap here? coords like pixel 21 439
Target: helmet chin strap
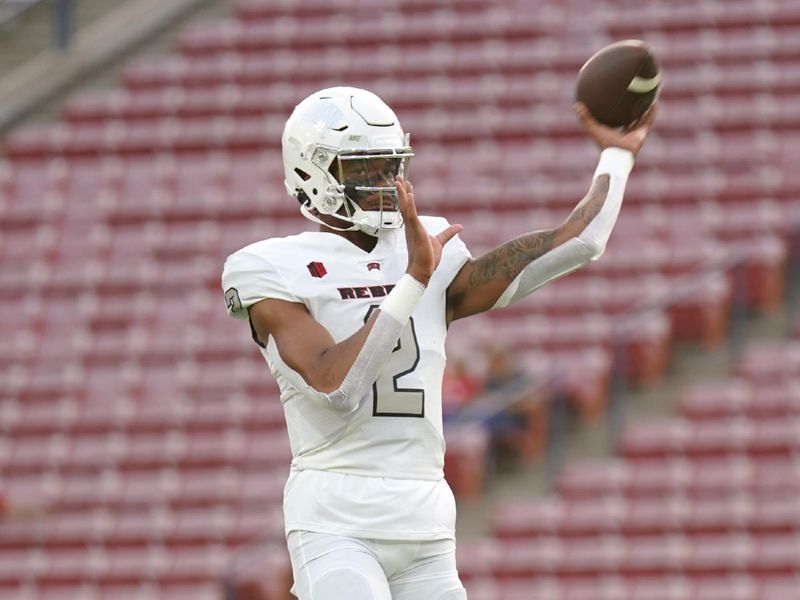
pixel 372 230
pixel 312 217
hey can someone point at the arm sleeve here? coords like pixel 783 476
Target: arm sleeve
pixel 369 362
pixel 393 316
pixel 616 163
pixel 248 278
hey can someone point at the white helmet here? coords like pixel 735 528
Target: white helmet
pixel 342 148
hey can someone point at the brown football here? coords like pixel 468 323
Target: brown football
pixel 619 83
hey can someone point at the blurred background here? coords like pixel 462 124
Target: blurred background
pixel 630 432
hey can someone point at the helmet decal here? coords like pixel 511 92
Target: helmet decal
pixel 326 115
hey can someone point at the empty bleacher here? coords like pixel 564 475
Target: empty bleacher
pixel 699 506
pixel 145 420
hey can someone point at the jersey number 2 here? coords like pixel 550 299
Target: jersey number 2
pixel 389 399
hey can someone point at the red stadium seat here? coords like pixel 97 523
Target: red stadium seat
pixel 124 591
pixel 190 565
pixel 199 527
pixel 69 565
pixel 136 527
pixel 128 565
pixel 150 450
pixel 267 450
pixel 653 440
pixel 200 591
pixel 143 488
pixel 32 454
pixel 55 591
pixel 212 449
pixel 739 398
pixel 265 412
pixel 259 487
pixel 770 362
pixel 477 558
pixel 255 523
pixel 94 452
pixel 203 486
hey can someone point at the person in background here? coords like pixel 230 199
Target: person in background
pixel 459 387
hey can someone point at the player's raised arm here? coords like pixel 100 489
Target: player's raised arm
pixel 518 267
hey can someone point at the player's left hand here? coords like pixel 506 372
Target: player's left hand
pixel 424 249
pixel 630 138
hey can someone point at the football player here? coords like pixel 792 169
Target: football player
pixel 352 320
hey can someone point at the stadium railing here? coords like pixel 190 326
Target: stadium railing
pixel 11 9
pixel 63 17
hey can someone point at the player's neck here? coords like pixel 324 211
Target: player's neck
pixel 363 240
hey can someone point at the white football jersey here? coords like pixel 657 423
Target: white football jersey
pixel 396 431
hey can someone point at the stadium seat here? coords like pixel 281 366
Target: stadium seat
pixel 131 565
pixel 136 527
pixel 202 486
pixel 740 398
pixel 192 565
pixel 200 591
pixel 770 362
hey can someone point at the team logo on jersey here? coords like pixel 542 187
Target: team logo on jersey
pixel 317 269
pixel 373 265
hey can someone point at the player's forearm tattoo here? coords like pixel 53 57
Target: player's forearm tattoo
pixel 508 260
pixel 587 209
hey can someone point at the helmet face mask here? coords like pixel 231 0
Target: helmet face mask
pixel 368 184
pixel 342 149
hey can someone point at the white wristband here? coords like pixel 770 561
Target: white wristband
pixel 614 161
pixel 403 298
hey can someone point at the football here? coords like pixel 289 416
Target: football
pixel 619 83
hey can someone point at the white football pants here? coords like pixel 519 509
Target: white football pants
pixel 333 567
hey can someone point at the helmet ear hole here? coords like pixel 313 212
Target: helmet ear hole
pixel 303 175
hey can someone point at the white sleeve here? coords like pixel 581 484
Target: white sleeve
pixel 393 316
pixel 368 364
pixel 248 278
pixel 616 163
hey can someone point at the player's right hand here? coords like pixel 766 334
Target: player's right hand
pixel 630 138
pixel 424 249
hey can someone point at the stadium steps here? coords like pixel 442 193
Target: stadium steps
pixel 32 32
pixel 36 78
pixel 690 364
pixel 157 47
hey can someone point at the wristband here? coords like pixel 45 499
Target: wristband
pixel 403 298
pixel 614 161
